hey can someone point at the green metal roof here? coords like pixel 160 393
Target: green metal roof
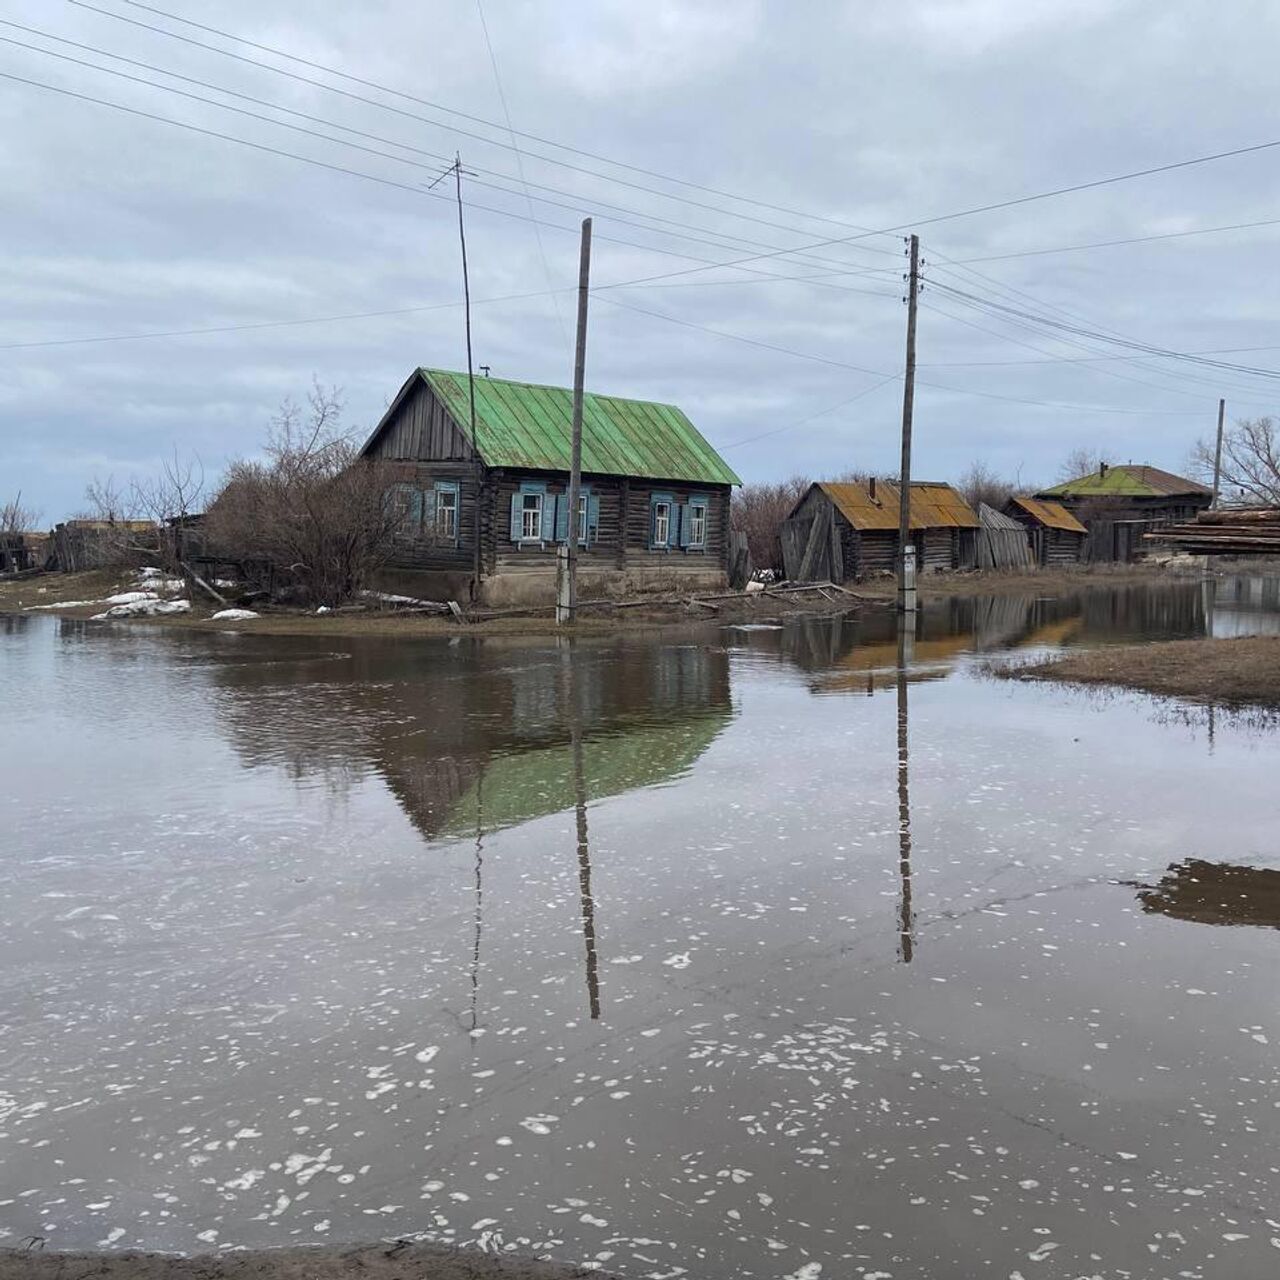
pixel 1125 481
pixel 522 425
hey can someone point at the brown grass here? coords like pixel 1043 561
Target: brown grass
pixel 370 1262
pixel 17 596
pixel 1242 672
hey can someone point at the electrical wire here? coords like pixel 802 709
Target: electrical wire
pixel 537 233
pixel 372 102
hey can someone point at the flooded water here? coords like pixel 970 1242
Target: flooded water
pixel 741 952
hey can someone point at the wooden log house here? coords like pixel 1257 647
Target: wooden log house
pixel 483 514
pixel 1119 505
pixel 842 532
pixel 1057 537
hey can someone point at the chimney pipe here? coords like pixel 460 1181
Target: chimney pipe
pixel 871 488
pixel 1102 469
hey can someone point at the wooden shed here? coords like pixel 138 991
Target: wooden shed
pixel 1057 537
pixel 841 532
pixel 485 507
pixel 1002 541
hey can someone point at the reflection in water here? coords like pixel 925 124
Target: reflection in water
pixel 1216 893
pixel 475 951
pixel 858 653
pixel 906 915
pixel 572 704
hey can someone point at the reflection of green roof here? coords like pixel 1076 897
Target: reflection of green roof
pixel 1127 481
pixel 523 425
pixel 532 784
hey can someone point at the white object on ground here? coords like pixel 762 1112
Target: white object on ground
pixel 233 615
pixel 386 598
pixel 324 608
pixel 753 587
pixel 130 597
pixel 144 609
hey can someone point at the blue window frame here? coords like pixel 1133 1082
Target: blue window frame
pixel 528 513
pixel 664 521
pixel 693 525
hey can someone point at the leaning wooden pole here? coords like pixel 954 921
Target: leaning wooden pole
pixel 906 573
pixel 567 587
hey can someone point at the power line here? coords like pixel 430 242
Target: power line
pixel 355 173
pixel 506 113
pixel 550 142
pixel 1111 244
pixel 822 413
pixel 262 324
pixel 384 106
pixel 880 373
pixel 682 233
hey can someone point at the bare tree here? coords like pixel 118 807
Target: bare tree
pixel 758 510
pixel 981 484
pixel 1250 461
pixel 15 518
pixel 1083 462
pixel 313 512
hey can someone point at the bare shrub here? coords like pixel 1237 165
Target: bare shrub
pixel 981 484
pixel 1083 462
pixel 313 512
pixel 1250 461
pixel 16 518
pixel 758 510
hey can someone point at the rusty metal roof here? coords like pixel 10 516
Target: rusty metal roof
pixel 527 426
pixel 1126 481
pixel 1053 515
pixel 933 505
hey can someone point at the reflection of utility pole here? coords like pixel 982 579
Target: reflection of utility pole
pixel 906 915
pixel 475 954
pixel 572 711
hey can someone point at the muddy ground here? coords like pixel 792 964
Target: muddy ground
pixel 369 1262
pixel 1242 672
pixel 48 591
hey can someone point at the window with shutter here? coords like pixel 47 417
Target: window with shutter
pixel 527 523
pixel 593 519
pixel 697 539
pixel 684 526
pixel 562 517
pixel 661 514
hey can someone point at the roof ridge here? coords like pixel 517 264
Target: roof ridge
pixel 427 370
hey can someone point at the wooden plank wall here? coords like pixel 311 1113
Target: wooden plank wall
pixel 422 429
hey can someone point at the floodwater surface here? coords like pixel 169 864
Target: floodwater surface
pixel 735 952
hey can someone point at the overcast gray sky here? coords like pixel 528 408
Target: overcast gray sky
pixel 791 123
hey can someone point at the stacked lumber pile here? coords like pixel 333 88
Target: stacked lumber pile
pixel 1236 531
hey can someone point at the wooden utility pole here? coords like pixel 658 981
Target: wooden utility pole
pixel 907 590
pixel 567 587
pixel 1217 455
pixel 478 506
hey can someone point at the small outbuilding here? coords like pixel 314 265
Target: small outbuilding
pixel 1002 541
pixel 483 489
pixel 1056 536
pixel 841 532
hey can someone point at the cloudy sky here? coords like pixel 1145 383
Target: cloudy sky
pixel 695 132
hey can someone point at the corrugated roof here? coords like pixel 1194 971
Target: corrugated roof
pixel 523 425
pixel 993 519
pixel 933 505
pixel 1126 481
pixel 1053 515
